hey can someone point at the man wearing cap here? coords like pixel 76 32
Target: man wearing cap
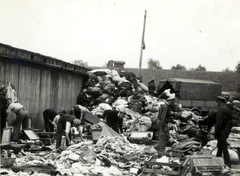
pixel 165 114
pixel 223 128
pixel 64 127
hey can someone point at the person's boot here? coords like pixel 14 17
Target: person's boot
pixel 228 164
pixel 160 154
pixel 156 147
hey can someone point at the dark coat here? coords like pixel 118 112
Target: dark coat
pixel 223 121
pixel 49 114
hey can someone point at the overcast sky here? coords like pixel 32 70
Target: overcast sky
pixel 186 32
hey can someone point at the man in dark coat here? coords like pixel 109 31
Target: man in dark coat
pixel 223 129
pixel 49 115
pixel 114 119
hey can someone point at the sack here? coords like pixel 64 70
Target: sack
pixel 184 116
pixel 125 85
pixel 109 88
pixel 94 91
pixel 145 123
pixel 102 98
pixel 143 87
pixel 109 100
pixel 190 144
pixel 135 106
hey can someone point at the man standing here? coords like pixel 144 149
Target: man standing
pixel 223 128
pixel 64 128
pixel 21 118
pixel 165 113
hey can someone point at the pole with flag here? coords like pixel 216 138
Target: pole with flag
pixel 142 44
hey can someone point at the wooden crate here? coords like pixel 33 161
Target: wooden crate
pixel 176 168
pixel 203 164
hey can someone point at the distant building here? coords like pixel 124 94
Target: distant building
pixel 115 64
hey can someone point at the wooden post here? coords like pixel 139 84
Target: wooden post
pixel 142 45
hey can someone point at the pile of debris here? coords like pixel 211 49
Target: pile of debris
pixel 121 154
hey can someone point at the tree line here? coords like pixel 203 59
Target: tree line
pixel 155 64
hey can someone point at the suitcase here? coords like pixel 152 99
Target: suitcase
pixel 141 137
pixel 148 168
pixel 201 165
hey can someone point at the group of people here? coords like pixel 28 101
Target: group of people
pixel 222 121
pixel 65 124
pixel 61 122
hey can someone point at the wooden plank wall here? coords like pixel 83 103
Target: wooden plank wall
pixel 39 88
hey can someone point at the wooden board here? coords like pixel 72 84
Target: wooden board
pixel 91 118
pixel 6 136
pixel 31 134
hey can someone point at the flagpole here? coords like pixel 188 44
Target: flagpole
pixel 142 45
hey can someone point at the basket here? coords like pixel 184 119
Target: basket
pixel 7 161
